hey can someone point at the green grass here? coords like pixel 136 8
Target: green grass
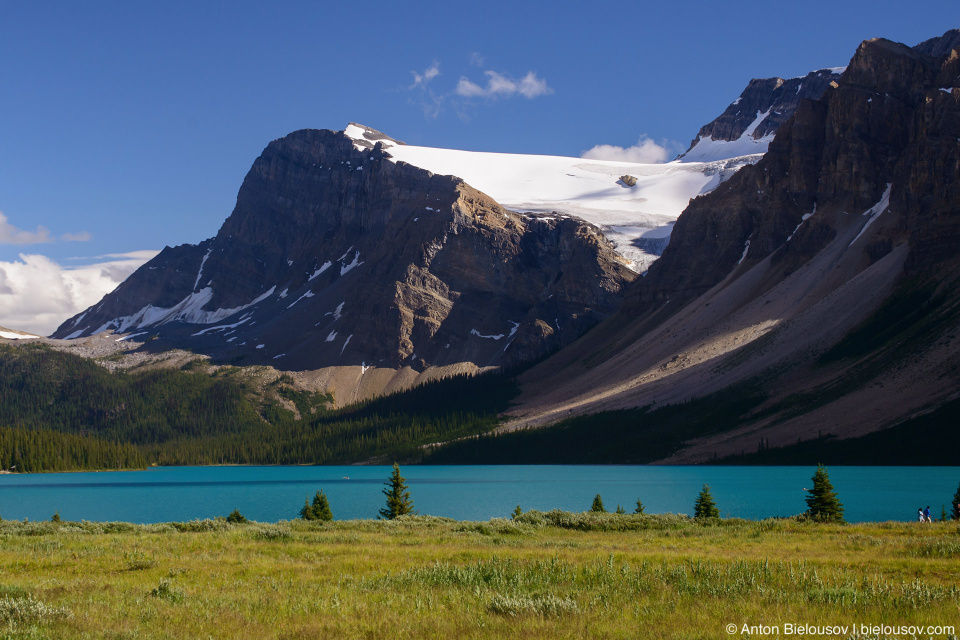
pixel 543 575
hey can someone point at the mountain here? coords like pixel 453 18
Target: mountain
pixel 814 294
pixel 338 256
pixel 748 125
pixel 637 217
pixel 12 334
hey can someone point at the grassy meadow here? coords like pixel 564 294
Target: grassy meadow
pixel 542 575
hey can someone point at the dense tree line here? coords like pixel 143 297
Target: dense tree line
pixel 44 450
pixel 173 417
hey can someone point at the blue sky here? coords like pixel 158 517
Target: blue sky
pixel 128 126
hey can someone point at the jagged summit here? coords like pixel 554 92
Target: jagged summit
pixel 335 255
pixel 365 137
pixel 748 125
pixel 941 45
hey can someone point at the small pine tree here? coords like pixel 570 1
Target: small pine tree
pixel 639 508
pixel 705 507
pixel 597 506
pixel 236 517
pixel 517 512
pixel 56 517
pixel 943 512
pixel 955 505
pixel 822 503
pixel 398 497
pixel 321 507
pixel 307 511
pixel 620 509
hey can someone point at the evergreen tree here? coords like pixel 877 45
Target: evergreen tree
pixel 56 517
pixel 236 517
pixel 955 505
pixel 321 507
pixel 620 509
pixel 307 511
pixel 597 506
pixel 517 512
pixel 398 497
pixel 943 513
pixel 705 507
pixel 639 508
pixel 822 503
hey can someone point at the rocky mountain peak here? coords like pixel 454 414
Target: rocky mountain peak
pixel 761 110
pixel 337 255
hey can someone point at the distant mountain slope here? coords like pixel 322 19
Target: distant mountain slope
pixel 337 256
pixel 822 279
pixel 12 334
pixel 750 122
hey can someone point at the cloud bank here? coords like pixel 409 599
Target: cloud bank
pixel 646 151
pixel 37 294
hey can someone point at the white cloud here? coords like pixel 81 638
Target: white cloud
pixel 501 86
pixel 430 102
pixel 9 234
pixel 37 294
pixel 83 236
pixel 646 151
pixel 422 79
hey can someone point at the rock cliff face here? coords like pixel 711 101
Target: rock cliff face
pixel 336 255
pixel 886 133
pixel 778 98
pixel 823 279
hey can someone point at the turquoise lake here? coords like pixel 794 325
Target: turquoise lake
pixel 268 494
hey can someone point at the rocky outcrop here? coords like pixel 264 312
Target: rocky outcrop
pixel 337 255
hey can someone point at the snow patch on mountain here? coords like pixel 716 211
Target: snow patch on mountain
pixel 710 150
pixel 587 189
pixel 10 335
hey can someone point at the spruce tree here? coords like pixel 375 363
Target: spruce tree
pixel 639 508
pixel 705 507
pixel 955 505
pixel 398 497
pixel 943 513
pixel 307 511
pixel 822 503
pixel 597 506
pixel 620 509
pixel 517 512
pixel 321 507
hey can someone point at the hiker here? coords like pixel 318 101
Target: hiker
pixel 926 514
pixel 920 514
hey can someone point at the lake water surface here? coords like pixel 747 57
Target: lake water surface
pixel 268 494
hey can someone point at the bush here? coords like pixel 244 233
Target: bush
pixel 166 591
pixel 201 526
pixel 26 610
pixel 236 517
pixel 542 605
pixel 265 532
